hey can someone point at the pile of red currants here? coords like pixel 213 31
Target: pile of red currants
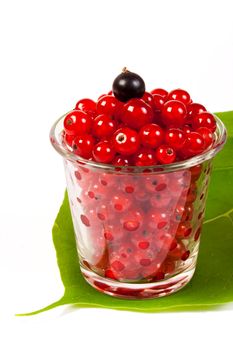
pixel 141 225
pixel 129 126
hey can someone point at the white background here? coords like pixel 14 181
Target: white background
pixel 52 54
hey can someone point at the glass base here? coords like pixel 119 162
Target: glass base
pixel 139 290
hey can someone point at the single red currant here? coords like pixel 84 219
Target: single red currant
pixel 165 154
pixel 194 143
pixel 103 126
pixel 195 109
pixel 103 152
pixel 144 157
pixel 159 101
pixel 86 105
pixel 136 113
pixel 175 138
pixel 207 136
pixel 151 135
pixel 107 105
pixel 148 98
pixel 126 141
pixel 174 113
pixel 179 95
pixel 159 91
pixel 204 119
pixel 77 123
pixel 83 145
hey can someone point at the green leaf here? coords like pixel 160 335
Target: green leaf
pixel 212 283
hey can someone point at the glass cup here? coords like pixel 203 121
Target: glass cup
pixel 137 228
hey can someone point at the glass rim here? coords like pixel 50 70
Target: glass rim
pixel 220 133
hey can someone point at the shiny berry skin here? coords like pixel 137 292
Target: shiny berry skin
pixel 159 101
pixel 179 95
pixel 148 98
pixel 151 135
pixel 128 85
pixel 77 123
pixel 121 160
pixel 175 138
pixel 144 157
pixel 103 152
pixel 195 109
pixel 207 136
pixel 159 91
pixel 69 139
pixel 106 105
pixel 83 145
pixel 136 113
pixel 204 119
pixel 194 143
pixel 174 113
pixel 165 154
pixel 103 126
pixel 187 129
pixel 126 141
pixel 86 105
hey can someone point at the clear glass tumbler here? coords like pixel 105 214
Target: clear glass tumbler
pixel 137 228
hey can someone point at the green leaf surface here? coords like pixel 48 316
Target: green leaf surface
pixel 212 284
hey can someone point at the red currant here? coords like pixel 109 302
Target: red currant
pixel 86 105
pixel 144 157
pixel 194 143
pixel 148 98
pixel 103 126
pixel 165 154
pixel 204 119
pixel 151 135
pixel 136 113
pixel 179 95
pixel 83 145
pixel 195 109
pixel 77 123
pixel 107 105
pixel 207 136
pixel 175 138
pixel 159 101
pixel 159 91
pixel 174 113
pixel 103 152
pixel 126 141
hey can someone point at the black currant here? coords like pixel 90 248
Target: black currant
pixel 128 85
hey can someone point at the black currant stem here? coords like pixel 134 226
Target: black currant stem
pixel 125 70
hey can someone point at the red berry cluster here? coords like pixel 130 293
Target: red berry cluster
pixel 158 128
